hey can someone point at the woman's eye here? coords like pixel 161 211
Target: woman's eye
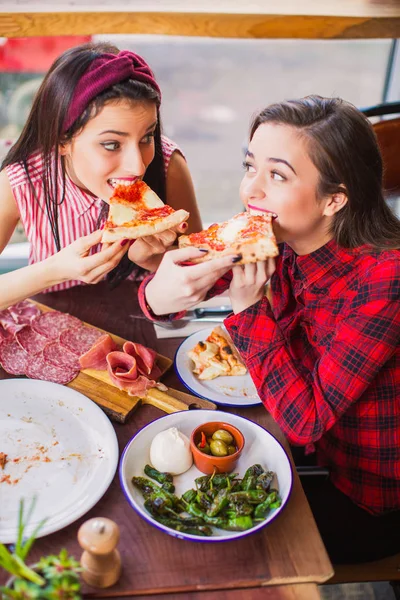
pixel 277 176
pixel 147 139
pixel 248 167
pixel 111 146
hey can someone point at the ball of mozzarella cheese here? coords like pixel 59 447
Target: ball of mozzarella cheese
pixel 170 452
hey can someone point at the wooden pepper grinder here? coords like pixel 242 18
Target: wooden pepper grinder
pixel 100 560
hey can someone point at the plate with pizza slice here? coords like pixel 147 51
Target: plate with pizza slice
pixel 136 211
pixel 209 365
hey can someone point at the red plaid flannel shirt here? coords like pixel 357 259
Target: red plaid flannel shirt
pixel 326 363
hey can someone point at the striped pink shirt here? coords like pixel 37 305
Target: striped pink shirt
pixel 77 215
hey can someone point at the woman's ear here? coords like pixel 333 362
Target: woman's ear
pixel 334 203
pixel 63 148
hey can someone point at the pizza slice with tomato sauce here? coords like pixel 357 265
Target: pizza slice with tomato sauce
pixel 137 211
pixel 249 235
pixel 216 357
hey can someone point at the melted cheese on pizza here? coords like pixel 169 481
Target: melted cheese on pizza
pixel 243 227
pixel 136 202
pixel 230 231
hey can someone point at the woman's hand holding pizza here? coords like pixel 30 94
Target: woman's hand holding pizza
pixel 74 262
pixel 248 283
pixel 147 252
pixel 175 288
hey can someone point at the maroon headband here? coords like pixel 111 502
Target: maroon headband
pixel 104 72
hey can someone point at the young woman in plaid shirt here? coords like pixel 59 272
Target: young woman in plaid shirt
pixel 325 355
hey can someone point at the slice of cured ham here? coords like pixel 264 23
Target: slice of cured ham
pixel 24 312
pixel 14 318
pixel 145 358
pixel 123 371
pixel 8 322
pixel 96 357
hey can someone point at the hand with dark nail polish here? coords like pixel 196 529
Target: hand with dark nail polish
pixel 237 258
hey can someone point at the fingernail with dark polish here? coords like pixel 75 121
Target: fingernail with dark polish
pixel 184 226
pixel 237 258
pixel 124 242
pixel 131 242
pixel 202 249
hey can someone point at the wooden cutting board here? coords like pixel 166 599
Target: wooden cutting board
pixel 119 406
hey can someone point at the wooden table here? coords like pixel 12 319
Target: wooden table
pixel 300 591
pixel 289 551
pixel 308 19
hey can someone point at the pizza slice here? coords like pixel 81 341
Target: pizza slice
pixel 216 357
pixel 250 235
pixel 137 211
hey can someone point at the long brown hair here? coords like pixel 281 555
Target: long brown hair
pixel 43 131
pixel 343 147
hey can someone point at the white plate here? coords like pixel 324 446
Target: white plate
pixel 260 447
pixel 61 448
pixel 227 391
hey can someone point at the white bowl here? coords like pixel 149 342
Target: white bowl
pixel 260 447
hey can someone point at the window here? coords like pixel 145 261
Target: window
pixel 211 88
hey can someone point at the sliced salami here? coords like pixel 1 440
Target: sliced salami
pixel 4 335
pixel 13 358
pixel 8 322
pixel 80 340
pixel 59 356
pixel 30 340
pixel 38 368
pixel 24 312
pixel 51 324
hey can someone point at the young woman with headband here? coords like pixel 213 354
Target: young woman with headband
pixel 95 121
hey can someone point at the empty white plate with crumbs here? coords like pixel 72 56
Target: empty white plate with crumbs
pixel 238 390
pixel 56 445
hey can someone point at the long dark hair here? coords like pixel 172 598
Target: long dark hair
pixel 43 131
pixel 343 147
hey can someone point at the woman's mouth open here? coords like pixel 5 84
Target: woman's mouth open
pixel 114 181
pixel 256 210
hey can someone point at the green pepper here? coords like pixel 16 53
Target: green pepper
pixel 250 477
pixel 145 485
pixel 216 480
pixel 238 523
pixel 251 496
pixel 195 510
pixel 168 487
pixel 264 507
pixel 220 501
pixel 241 508
pixel 264 480
pixel 189 495
pixel 157 475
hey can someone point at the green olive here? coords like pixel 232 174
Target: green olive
pixel 232 449
pixel 223 435
pixel 205 449
pixel 218 448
